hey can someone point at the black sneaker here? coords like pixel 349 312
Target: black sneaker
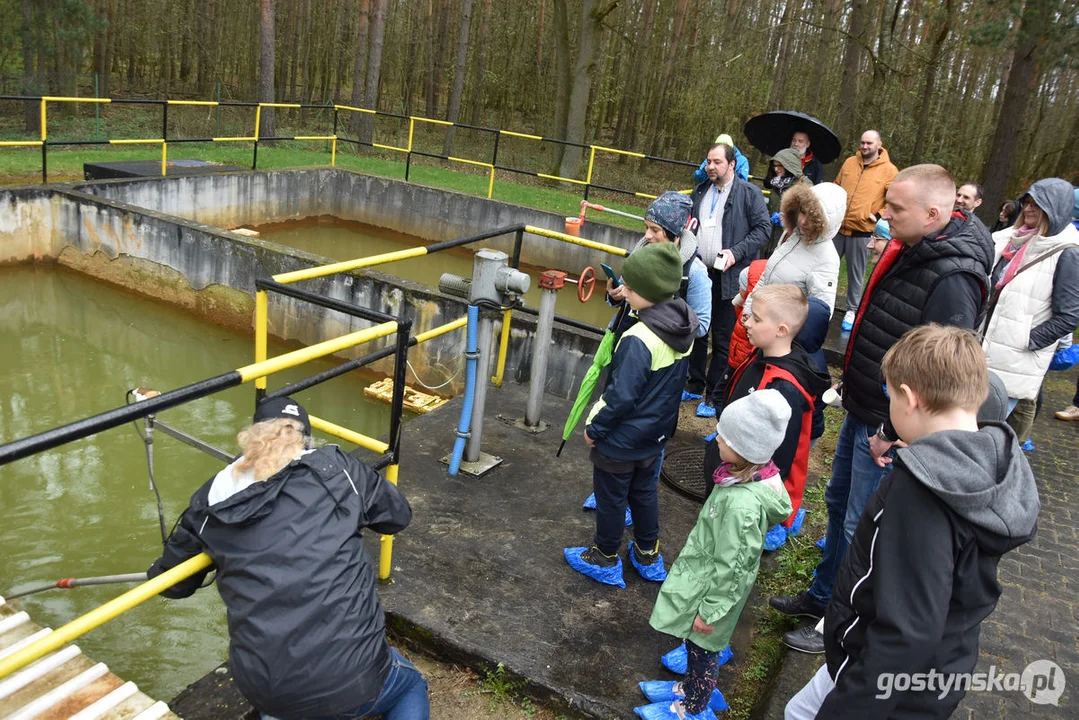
pixel 801 605
pixel 593 556
pixel 805 639
pixel 644 558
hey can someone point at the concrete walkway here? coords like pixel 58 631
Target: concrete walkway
pixel 1038 614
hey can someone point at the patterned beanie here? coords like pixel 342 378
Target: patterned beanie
pixel 670 211
pixel 654 272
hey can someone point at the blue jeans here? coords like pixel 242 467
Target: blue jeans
pixel 855 477
pixel 403 696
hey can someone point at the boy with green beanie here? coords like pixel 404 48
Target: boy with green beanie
pixel 630 424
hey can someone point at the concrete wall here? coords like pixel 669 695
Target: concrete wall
pixel 212 273
pixel 432 215
pixel 28 218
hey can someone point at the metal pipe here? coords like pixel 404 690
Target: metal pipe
pixel 484 334
pixel 540 351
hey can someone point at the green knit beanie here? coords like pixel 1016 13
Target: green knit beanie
pixel 654 272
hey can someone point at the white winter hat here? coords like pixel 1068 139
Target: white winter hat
pixel 754 426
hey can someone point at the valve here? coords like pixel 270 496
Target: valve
pixel 586 283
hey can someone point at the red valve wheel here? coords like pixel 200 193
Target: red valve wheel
pixel 586 283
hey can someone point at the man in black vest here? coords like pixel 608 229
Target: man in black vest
pixel 935 269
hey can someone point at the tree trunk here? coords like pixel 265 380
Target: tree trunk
pixel 374 67
pixel 1034 25
pixel 852 66
pixel 458 74
pixel 429 80
pixel 792 10
pixel 479 76
pixel 582 86
pixel 30 86
pixel 562 77
pixel 931 69
pixel 266 66
pixel 355 124
pixel 655 115
pixel 628 137
pixel 308 41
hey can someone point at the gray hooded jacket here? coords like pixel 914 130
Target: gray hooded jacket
pixel 921 572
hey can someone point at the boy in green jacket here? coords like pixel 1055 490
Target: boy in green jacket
pixel 710 582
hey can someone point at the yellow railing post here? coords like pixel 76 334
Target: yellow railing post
pixel 164 156
pixel 100 615
pixel 43 120
pixel 503 344
pixel 333 152
pixel 385 557
pixel 261 311
pixel 591 164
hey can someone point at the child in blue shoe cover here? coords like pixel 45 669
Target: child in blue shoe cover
pixel 630 424
pixel 709 583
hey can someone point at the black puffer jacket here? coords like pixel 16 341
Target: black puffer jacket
pixel 921 572
pixel 307 635
pixel 911 291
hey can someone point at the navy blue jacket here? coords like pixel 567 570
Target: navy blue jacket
pixel 639 408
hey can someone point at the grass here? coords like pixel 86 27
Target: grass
pixel 23 165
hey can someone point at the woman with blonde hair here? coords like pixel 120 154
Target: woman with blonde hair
pixel 283 524
pixel 1035 295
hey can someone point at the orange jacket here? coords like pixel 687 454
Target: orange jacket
pixel 865 186
pixel 741 348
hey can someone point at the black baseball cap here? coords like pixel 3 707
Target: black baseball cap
pixel 283 407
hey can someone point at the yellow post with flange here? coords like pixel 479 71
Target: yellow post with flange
pixel 503 345
pixel 385 556
pixel 261 330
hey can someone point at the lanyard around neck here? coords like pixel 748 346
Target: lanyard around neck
pixel 715 200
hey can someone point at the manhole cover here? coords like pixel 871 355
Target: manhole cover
pixel 683 470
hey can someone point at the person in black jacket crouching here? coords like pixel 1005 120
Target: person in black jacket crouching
pixel 921 574
pixel 283 524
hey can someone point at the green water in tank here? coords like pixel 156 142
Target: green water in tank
pixel 72 347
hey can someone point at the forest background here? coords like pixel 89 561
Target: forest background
pixel 987 88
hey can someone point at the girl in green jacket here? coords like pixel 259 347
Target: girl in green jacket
pixel 708 585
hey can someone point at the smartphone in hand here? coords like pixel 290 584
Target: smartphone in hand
pixel 609 272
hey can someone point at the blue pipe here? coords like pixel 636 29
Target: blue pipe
pixel 471 357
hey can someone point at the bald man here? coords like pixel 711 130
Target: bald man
pixel 935 269
pixel 865 176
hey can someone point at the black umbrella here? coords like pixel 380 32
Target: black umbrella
pixel 770 132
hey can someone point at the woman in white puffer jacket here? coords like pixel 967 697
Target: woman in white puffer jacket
pixel 806 256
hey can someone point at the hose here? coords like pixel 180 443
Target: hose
pixel 471 357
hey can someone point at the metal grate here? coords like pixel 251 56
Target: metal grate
pixel 683 471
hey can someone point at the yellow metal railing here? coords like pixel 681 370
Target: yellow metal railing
pixel 334 138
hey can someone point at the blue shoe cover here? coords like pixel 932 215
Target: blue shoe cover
pixel 1029 445
pixel 675 660
pixel 820 543
pixel 846 326
pixel 705 410
pixel 662 711
pixel 654 572
pixel 687 396
pixel 606 575
pixel 796 526
pixel 710 438
pixel 775 538
pixel 590 504
pixel 663 691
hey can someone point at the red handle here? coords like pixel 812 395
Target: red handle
pixel 586 283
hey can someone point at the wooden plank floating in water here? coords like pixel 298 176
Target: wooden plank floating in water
pixel 65 683
pixel 415 401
